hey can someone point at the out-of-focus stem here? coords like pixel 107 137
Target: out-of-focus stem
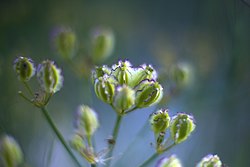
pixel 155 155
pixel 59 135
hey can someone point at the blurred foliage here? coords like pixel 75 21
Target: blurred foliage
pixel 212 36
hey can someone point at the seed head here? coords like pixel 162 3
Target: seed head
pixel 124 98
pixel 181 126
pixel 86 121
pixel 24 68
pixel 102 44
pixel 159 121
pixel 148 93
pixel 49 76
pixel 210 161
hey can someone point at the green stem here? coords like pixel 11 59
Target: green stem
pixel 59 135
pixel 155 155
pixel 28 88
pixel 91 146
pixel 114 136
pixel 24 97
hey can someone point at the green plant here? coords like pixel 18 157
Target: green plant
pixel 123 86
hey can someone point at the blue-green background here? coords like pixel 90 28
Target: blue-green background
pixel 213 36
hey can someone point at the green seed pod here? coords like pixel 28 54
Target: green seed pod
pixel 181 74
pixel 49 77
pixel 100 71
pixel 210 161
pixel 159 121
pixel 105 88
pixel 86 121
pixel 142 73
pixel 148 93
pixel 181 126
pixel 77 142
pixel 102 44
pixel 171 161
pixel 123 72
pixel 25 69
pixel 65 43
pixel 124 98
pixel 10 152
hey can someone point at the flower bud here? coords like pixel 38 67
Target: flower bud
pixel 124 98
pixel 102 44
pixel 24 68
pixel 49 77
pixel 65 42
pixel 86 120
pixel 171 161
pixel 181 126
pixel 77 142
pixel 159 121
pixel 10 152
pixel 142 73
pixel 148 93
pixel 123 72
pixel 210 161
pixel 105 88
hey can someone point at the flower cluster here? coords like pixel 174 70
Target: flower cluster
pixel 127 88
pixel 49 78
pixel 181 126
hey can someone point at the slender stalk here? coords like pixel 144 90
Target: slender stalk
pixel 28 88
pixel 20 93
pixel 91 146
pixel 155 155
pixel 59 135
pixel 114 135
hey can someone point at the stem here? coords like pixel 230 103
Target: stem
pixel 59 135
pixel 131 110
pixel 20 93
pixel 91 146
pixel 155 155
pixel 28 88
pixel 114 135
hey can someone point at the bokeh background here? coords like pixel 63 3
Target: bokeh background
pixel 212 36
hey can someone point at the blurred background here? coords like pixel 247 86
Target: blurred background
pixel 213 37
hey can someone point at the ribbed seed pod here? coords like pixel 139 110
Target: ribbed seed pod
pixel 181 126
pixel 159 121
pixel 49 76
pixel 105 88
pixel 24 68
pixel 210 161
pixel 148 93
pixel 86 120
pixel 124 98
